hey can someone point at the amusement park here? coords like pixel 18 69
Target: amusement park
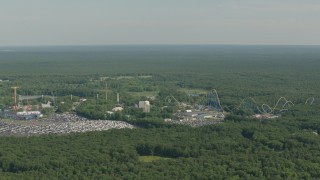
pixel 207 109
pixel 204 107
pixel 197 109
pixel 27 112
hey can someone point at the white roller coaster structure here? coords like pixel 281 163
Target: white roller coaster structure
pixel 283 108
pixel 244 100
pixel 265 108
pixel 217 96
pixel 169 99
pixel 181 106
pixel 280 106
pixel 310 101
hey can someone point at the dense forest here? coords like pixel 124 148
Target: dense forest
pixel 240 147
pixel 286 148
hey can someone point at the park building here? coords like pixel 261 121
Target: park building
pixel 48 105
pixel 145 106
pixel 117 109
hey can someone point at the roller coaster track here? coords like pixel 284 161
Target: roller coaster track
pixel 310 101
pixel 283 108
pixel 169 99
pixel 286 102
pixel 205 101
pixel 248 103
pixel 245 100
pixel 228 109
pixel 180 106
pixel 269 110
pixel 213 91
pixel 265 108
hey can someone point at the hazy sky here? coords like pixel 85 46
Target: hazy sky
pixel 81 22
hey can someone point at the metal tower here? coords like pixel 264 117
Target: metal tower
pixel 15 98
pixel 106 91
pixel 118 98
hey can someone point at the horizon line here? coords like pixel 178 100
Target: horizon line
pixel 168 44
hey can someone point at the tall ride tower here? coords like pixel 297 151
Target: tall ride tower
pixel 15 98
pixel 118 98
pixel 106 91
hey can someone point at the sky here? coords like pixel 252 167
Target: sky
pixel 117 22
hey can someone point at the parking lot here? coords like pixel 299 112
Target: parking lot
pixel 58 124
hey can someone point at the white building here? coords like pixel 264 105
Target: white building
pixel 145 106
pixel 110 112
pixel 83 100
pixel 48 105
pixel 117 109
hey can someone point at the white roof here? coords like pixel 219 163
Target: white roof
pixel 117 109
